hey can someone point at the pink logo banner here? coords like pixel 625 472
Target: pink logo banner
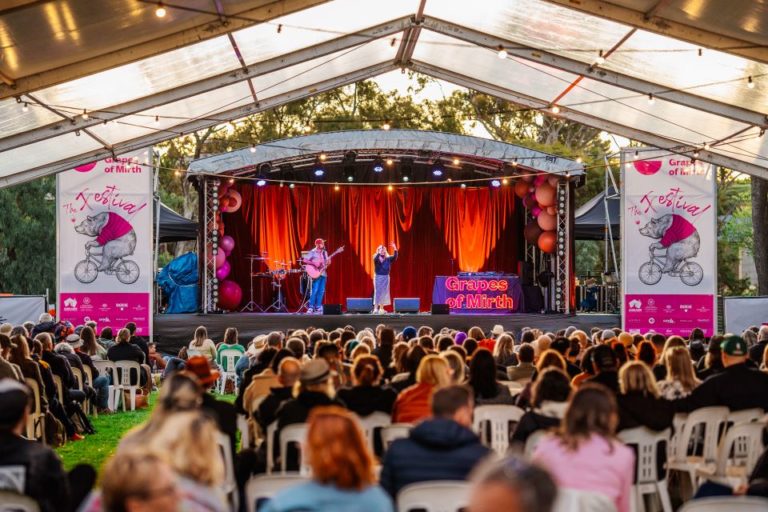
pixel 669 314
pixel 107 310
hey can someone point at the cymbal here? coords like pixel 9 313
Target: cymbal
pixel 255 257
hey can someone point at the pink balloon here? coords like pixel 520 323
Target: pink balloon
pixel 541 178
pixel 221 258
pixel 546 221
pixel 545 195
pixel 230 295
pixel 536 210
pixel 227 243
pixel 235 200
pixel 223 271
pixel 553 181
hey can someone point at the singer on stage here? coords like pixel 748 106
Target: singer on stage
pixel 382 263
pixel 319 257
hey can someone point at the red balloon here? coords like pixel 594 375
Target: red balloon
pixel 521 188
pixel 548 241
pixel 551 210
pixel 545 194
pixel 547 222
pixel 235 200
pixel 540 178
pixel 531 232
pixel 224 203
pixel 230 295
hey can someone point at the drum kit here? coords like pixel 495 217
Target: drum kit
pixel 277 271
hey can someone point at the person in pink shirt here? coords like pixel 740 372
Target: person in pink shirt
pixel 585 455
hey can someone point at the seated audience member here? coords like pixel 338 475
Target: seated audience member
pixel 30 369
pixel 367 395
pixel 385 348
pixel 106 338
pixel 100 382
pixel 457 366
pixel 757 351
pixel 38 468
pixel 738 386
pixel 298 348
pixel 660 369
pixel 262 383
pixel 222 412
pixel 525 368
pixel 124 350
pixel 287 376
pixel 231 342
pixel 646 352
pixel 332 356
pixel 712 362
pixel 606 368
pixel 504 354
pixel 444 342
pixel 681 379
pixel 639 402
pixel 315 389
pixel 411 362
pixel 9 370
pixel 342 469
pixel 138 341
pixel 587 368
pixel 482 380
pixel 549 400
pixel 202 345
pixel 562 346
pixel 511 485
pixel 91 347
pixel 261 371
pixel 470 345
pixel 585 454
pixel 157 362
pixel 139 481
pixel 443 447
pixel 412 404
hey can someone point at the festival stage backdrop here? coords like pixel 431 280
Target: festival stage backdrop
pixel 437 229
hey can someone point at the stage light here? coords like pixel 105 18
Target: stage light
pixel 322 157
pixel 336 187
pixel 437 169
pixel 463 185
pixel 502 53
pixel 389 161
pixel 600 59
pixel 406 168
pixel 696 153
pixel 579 160
pixel 707 146
pixel 261 182
pixel 637 154
pixel 253 149
pixel 406 178
pixel 390 188
pixel 495 183
pixel 750 83
pixel 555 109
pixel 456 161
pixel 386 126
pixel 291 185
pixel 157 119
pixel 177 172
pixel 318 169
pixel 514 162
pixel 378 165
pixel 505 181
pixel 160 11
pixel 350 179
pixel 319 172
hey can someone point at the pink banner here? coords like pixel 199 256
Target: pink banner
pixel 107 310
pixel 669 314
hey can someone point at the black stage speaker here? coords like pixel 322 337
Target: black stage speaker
pixel 407 305
pixel 331 309
pixel 440 309
pixel 359 305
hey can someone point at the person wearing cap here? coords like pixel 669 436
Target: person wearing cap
pixel 738 386
pixel 409 332
pixel 43 478
pixel 315 389
pixel 222 412
pixel 318 254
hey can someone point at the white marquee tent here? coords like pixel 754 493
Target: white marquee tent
pixel 82 80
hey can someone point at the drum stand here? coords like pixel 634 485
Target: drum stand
pixel 307 293
pixel 279 305
pixel 252 307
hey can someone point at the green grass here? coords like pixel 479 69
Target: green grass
pixel 95 449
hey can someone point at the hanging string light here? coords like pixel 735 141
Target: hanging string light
pixel 600 59
pixel 651 101
pixel 750 82
pixel 84 115
pixel 502 54
pixel 160 10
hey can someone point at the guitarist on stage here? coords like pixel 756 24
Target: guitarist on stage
pixel 318 257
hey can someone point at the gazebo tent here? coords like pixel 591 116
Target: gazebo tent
pixel 590 221
pixel 81 81
pixel 174 227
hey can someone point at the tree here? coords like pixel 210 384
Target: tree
pixel 760 229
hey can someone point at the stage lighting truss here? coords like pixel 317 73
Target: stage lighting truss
pixel 210 240
pixel 562 254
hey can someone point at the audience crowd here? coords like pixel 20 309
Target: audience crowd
pixel 577 391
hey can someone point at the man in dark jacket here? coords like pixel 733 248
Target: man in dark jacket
pixel 606 365
pixel 738 386
pixel 287 376
pixel 440 448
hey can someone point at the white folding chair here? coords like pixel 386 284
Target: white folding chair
pixel 499 417
pixel 13 502
pixel 435 496
pixel 648 480
pixel 575 500
pixel 394 431
pixel 124 370
pixel 229 359
pixel 229 487
pixel 295 434
pixel 727 504
pixel 59 389
pixel 745 415
pixel 80 383
pixel 369 424
pixel 36 418
pixel 515 388
pixel 737 455
pixel 271 431
pixel 265 487
pixel 89 380
pixel 107 368
pixel 242 427
pixel 711 419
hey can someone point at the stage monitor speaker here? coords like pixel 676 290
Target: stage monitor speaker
pixel 407 305
pixel 359 305
pixel 440 309
pixel 331 309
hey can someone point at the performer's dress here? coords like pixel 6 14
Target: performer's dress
pixel 381 280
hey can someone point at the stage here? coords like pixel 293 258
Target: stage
pixel 171 332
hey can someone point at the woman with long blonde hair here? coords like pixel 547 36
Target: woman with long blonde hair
pixel 681 379
pixel 639 402
pixel 413 403
pixel 201 345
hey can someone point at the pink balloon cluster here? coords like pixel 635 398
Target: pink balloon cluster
pixel 539 195
pixel 230 199
pixel 223 268
pixel 230 295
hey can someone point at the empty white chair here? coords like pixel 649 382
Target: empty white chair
pixel 575 500
pixel 437 496
pixel 230 484
pixel 712 419
pixel 295 434
pixel 394 431
pixel 499 417
pixel 271 430
pixel 124 369
pixel 13 502
pixel 265 487
pixel 369 424
pixel 648 480
pixel 515 388
pixel 736 456
pixel 36 418
pixel 229 359
pixel 727 504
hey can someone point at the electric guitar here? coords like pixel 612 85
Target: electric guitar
pixel 316 266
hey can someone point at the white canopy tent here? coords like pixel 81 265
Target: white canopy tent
pixel 85 80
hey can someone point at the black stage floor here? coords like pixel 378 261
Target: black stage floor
pixel 171 332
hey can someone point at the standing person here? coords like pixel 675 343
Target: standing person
pixel 382 263
pixel 318 257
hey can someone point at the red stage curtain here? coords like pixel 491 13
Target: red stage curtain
pixel 438 230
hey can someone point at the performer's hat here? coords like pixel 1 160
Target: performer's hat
pixel 319 241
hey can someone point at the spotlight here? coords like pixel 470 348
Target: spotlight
pixel 350 179
pixel 378 165
pixel 291 185
pixel 437 169
pixel 600 59
pixel 463 185
pixel 231 181
pixel 406 168
pixel 253 149
pixel 261 182
pixel 505 181
pixel 319 171
pixel 84 115
pixel 386 125
pixel 390 188
pixel 579 160
pixel 25 107
pixel 495 183
pixel 336 187
pixel 650 98
pixel 707 146
pixel 264 170
pixel 349 165
pixel 160 11
pixel 389 161
pixel 318 168
pixel 323 157
pixel 456 161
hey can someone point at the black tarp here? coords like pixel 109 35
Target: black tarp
pixel 174 227
pixel 590 218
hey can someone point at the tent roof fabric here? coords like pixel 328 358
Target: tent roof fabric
pixel 678 75
pixel 174 227
pixel 589 219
